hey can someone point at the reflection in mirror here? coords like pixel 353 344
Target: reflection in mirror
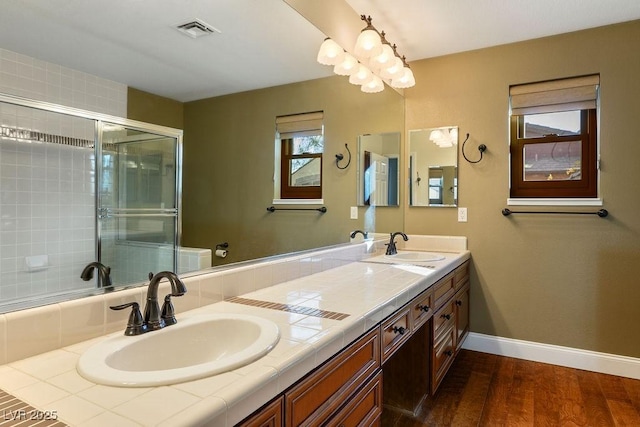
pixel 78 193
pixel 378 169
pixel 433 167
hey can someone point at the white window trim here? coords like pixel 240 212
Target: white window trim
pixel 555 202
pixel 298 201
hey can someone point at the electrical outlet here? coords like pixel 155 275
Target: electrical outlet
pixel 354 212
pixel 462 214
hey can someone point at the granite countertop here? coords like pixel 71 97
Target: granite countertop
pixel 363 292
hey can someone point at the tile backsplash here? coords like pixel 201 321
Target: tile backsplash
pixel 69 322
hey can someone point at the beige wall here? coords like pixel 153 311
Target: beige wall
pixel 228 167
pixel 155 109
pixel 566 280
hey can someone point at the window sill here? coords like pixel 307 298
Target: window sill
pixel 554 202
pixel 298 201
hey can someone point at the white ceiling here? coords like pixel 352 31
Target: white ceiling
pixel 265 42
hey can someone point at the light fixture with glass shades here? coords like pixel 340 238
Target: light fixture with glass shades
pixel 374 61
pixel 444 137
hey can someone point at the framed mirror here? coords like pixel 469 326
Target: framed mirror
pixel 379 169
pixel 433 167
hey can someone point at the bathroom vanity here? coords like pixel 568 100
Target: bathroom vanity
pixel 358 329
pixel 405 352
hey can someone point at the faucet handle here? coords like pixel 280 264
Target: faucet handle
pixel 135 325
pixel 168 313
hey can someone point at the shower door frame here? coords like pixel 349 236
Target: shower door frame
pixel 100 119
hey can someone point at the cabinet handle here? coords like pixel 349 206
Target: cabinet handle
pixel 399 330
pixel 446 316
pixel 424 308
pixel 449 353
pixel 458 302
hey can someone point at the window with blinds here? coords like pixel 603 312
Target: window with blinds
pixel 301 147
pixel 553 138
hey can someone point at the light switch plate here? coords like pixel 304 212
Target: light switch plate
pixel 462 214
pixel 354 212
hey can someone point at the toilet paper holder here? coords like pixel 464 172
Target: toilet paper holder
pixel 221 250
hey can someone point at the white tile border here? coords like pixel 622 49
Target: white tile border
pixel 554 354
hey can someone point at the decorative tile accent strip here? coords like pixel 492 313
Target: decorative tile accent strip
pixel 32 135
pixel 15 412
pixel 298 309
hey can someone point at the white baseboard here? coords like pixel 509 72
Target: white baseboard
pixel 563 356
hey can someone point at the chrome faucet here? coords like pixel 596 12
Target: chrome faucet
pixel 154 318
pixel 391 246
pixel 103 274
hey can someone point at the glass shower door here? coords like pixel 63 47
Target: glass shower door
pixel 137 203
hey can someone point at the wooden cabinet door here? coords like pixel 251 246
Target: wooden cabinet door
pixel 462 315
pixel 319 395
pixel 363 409
pixel 269 416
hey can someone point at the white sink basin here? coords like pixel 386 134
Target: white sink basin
pixel 195 347
pixel 408 256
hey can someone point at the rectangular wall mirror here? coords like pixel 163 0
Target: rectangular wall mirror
pixel 433 167
pixel 379 169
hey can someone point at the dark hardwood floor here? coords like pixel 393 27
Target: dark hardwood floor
pixel 487 390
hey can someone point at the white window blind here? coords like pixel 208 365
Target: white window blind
pixel 577 93
pixel 297 125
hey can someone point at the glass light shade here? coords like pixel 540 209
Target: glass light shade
pixel 436 135
pixel 374 86
pixel 368 44
pixel 384 59
pixel 348 66
pixel 396 69
pixel 453 133
pixel 330 53
pixel 404 81
pixel 362 76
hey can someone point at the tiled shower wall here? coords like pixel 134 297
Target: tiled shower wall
pixel 47 189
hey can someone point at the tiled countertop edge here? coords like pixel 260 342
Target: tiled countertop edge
pixel 268 381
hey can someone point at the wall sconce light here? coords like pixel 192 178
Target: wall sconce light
pixel 374 61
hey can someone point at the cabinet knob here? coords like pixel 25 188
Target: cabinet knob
pixel 424 308
pixel 399 330
pixel 449 353
pixel 458 302
pixel 446 316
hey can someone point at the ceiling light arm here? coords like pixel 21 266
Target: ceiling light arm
pixel 369 26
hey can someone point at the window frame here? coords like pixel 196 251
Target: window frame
pixel 288 191
pixel 579 93
pixel 586 187
pixel 287 129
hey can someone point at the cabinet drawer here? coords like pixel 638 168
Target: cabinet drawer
pixel 443 352
pixel 269 416
pixel 364 408
pixel 461 275
pixel 395 331
pixel 443 290
pixel 443 319
pixel 422 309
pixel 313 400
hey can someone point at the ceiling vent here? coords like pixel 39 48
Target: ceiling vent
pixel 196 28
